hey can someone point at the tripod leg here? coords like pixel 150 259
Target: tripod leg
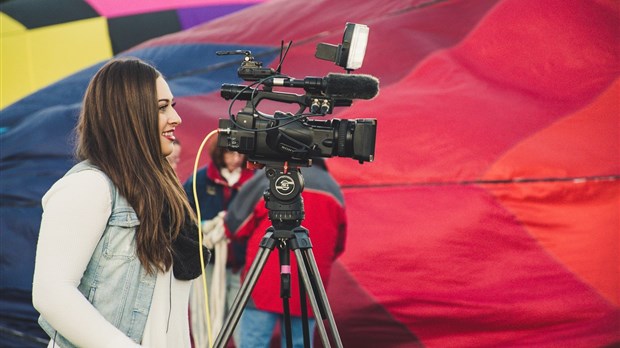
pixel 285 292
pixel 242 297
pixel 321 290
pixel 304 313
pixel 303 272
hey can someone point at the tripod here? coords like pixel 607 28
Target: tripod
pixel 285 204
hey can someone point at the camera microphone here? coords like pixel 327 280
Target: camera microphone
pixel 343 86
pixel 350 86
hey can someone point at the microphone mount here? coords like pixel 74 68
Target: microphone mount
pixel 250 69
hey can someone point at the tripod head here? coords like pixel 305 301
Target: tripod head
pixel 283 198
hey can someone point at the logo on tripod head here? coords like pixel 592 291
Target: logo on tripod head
pixel 285 185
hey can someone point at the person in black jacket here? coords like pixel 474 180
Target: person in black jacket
pixel 216 187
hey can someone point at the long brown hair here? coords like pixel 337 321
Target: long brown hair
pixel 118 132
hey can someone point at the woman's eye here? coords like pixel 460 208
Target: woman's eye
pixel 165 106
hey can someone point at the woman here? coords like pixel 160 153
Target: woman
pixel 117 246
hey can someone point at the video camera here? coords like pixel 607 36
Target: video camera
pixel 296 138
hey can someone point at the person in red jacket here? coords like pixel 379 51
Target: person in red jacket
pixel 247 219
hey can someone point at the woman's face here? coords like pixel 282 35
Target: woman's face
pixel 168 117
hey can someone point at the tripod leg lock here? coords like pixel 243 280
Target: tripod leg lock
pixel 268 241
pixel 301 240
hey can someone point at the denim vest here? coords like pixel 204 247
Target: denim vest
pixel 114 281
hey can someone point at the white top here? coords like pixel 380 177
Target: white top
pixel 76 211
pixel 231 177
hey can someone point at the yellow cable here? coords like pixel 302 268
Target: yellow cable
pixel 202 262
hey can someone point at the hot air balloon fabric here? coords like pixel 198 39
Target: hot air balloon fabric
pixel 491 214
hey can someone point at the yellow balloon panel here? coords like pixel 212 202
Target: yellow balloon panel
pixel 54 52
pixel 15 72
pixel 60 50
pixel 8 25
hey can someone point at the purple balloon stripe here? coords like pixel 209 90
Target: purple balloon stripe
pixel 190 17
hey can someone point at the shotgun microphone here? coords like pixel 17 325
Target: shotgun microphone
pixel 342 86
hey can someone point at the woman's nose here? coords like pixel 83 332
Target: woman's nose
pixel 175 118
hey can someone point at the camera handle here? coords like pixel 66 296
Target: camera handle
pixel 285 204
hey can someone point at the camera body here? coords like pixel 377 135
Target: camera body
pixel 279 139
